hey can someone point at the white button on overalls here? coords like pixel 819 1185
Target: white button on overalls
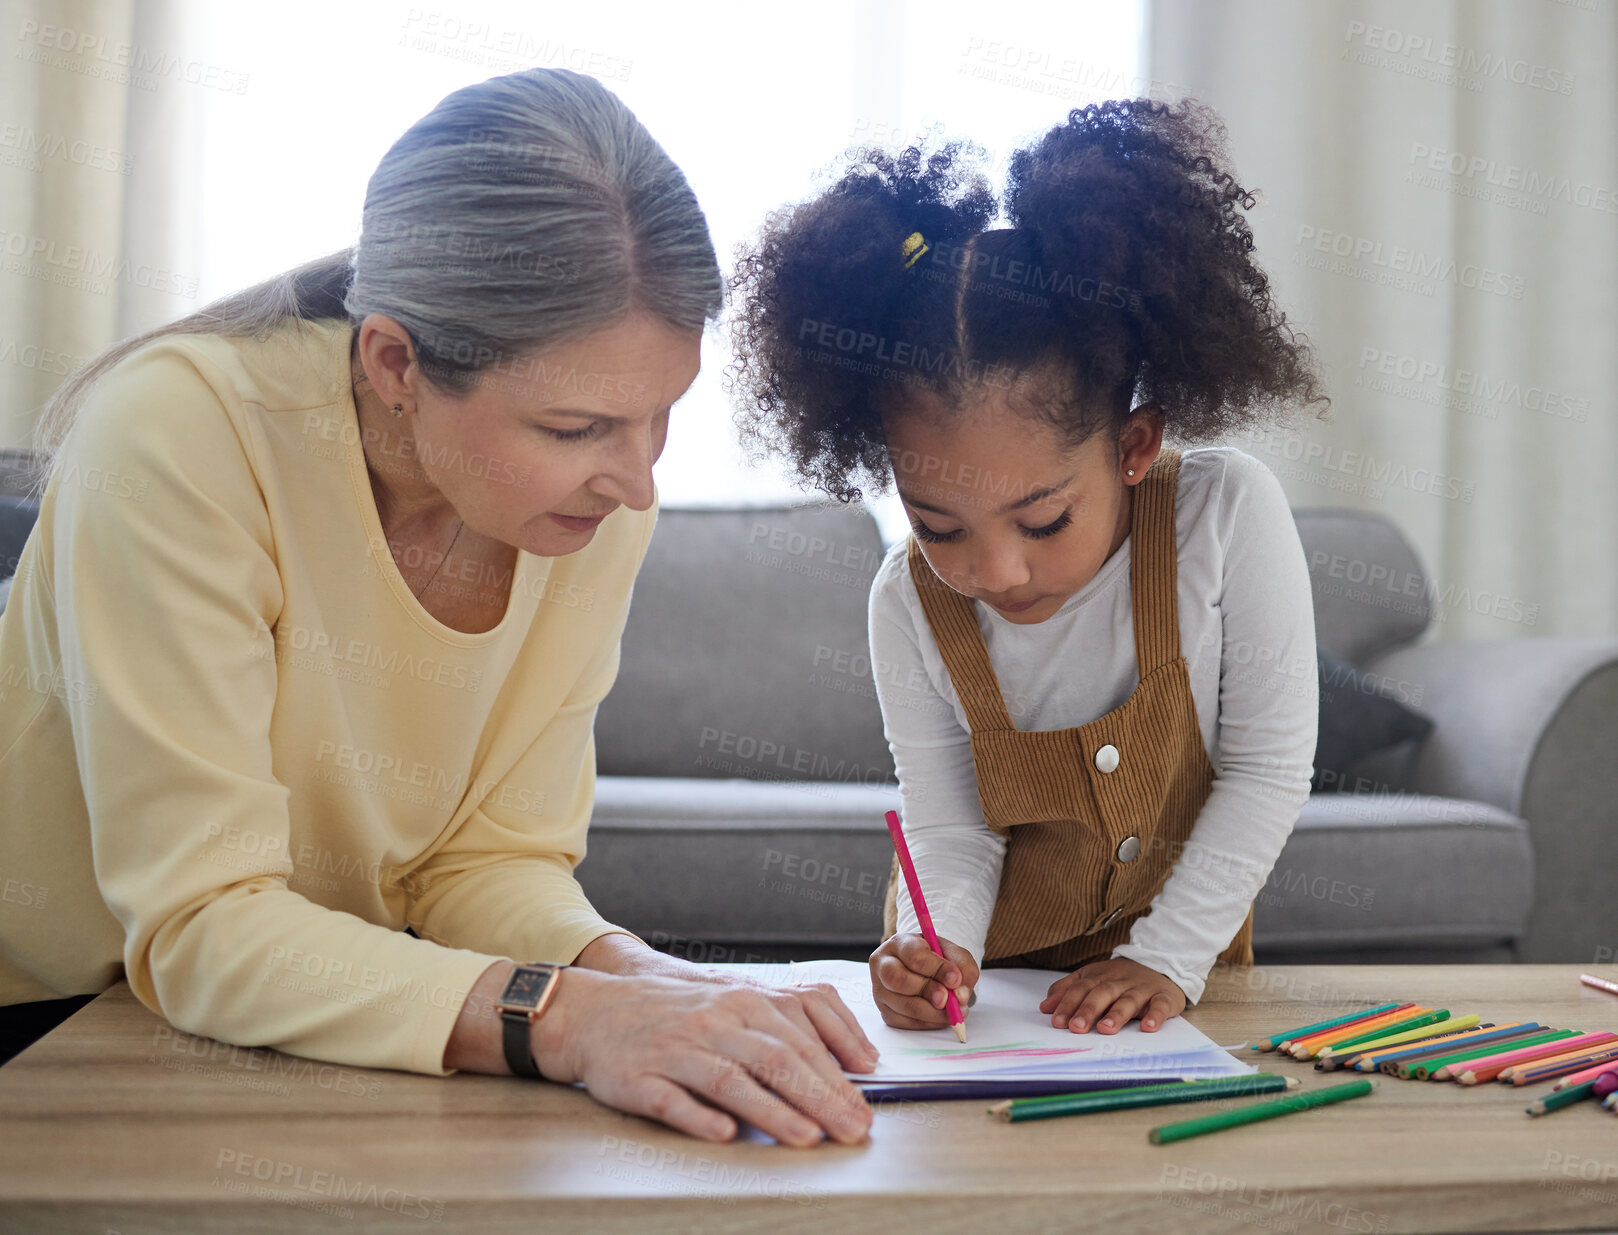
pixel 1129 850
pixel 1107 758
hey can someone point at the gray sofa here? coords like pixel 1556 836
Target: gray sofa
pixel 743 771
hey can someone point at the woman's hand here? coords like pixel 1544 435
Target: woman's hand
pixel 698 1056
pixel 817 1010
pixel 909 981
pixel 1108 994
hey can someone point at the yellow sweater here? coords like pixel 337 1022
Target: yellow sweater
pixel 237 757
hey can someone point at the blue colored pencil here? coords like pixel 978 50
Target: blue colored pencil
pixel 1448 1048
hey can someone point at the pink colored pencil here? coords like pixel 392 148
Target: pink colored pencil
pixel 952 1005
pixel 1600 984
pixel 1490 1066
pixel 1589 1074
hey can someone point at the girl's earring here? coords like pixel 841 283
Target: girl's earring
pixel 398 410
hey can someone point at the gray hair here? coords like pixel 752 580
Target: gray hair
pixel 522 212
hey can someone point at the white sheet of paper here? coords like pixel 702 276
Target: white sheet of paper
pixel 1007 1035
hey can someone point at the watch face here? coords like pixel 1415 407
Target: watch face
pixel 526 984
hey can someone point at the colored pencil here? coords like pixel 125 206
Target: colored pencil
pixel 1451 1066
pixel 1438 1023
pixel 1610 1102
pixel 1365 1018
pixel 1309 1047
pixel 1263 1110
pixel 1277 1039
pixel 1088 1104
pixel 1491 1066
pixel 949 1091
pixel 1601 984
pixel 952 1005
pixel 1161 1086
pixel 1607 1083
pixel 1389 1061
pixel 1571 1050
pixel 1557 1099
pixel 1588 1074
pixel 1405 1064
pixel 1548 1069
pixel 1370 1058
pixel 1415 1017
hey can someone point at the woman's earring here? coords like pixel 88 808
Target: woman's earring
pixel 398 410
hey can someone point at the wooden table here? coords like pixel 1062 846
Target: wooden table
pixel 116 1123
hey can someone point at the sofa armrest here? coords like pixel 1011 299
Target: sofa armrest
pixel 1528 725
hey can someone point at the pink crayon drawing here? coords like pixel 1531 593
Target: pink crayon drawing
pixel 1010 1050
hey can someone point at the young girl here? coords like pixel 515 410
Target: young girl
pixel 1094 656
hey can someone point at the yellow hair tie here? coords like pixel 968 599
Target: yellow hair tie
pixel 912 249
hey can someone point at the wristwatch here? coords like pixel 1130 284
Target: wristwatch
pixel 528 990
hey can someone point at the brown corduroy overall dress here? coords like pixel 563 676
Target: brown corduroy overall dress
pixel 1095 816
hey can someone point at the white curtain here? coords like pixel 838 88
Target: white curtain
pixel 99 112
pixel 1439 213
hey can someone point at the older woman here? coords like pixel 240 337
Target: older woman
pixel 306 646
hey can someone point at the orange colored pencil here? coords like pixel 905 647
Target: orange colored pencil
pixel 1545 1069
pixel 1370 1061
pixel 1286 1044
pixel 1310 1047
pixel 1490 1066
pixel 1572 1048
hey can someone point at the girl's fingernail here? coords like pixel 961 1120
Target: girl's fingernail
pixel 1148 1025
pixel 1107 1022
pixel 1059 1021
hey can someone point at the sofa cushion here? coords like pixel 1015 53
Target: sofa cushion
pixel 1358 717
pixel 1371 593
pixel 699 867
pixel 746 654
pixel 17 518
pixel 1397 870
pixel 707 868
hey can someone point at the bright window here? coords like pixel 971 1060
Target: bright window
pixel 750 100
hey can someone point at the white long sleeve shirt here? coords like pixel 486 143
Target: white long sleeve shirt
pixel 1246 619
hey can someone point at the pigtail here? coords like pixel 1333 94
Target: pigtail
pixel 831 306
pixel 1142 233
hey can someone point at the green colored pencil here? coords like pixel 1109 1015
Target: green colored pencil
pixel 1346 1046
pixel 1262 1110
pixel 1328 1061
pixel 1418 1052
pixel 1048 1107
pixel 1091 1093
pixel 1558 1098
pixel 1430 1068
pixel 1303 1031
pixel 1424 1067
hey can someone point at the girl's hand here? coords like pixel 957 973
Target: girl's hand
pixel 1108 994
pixel 909 979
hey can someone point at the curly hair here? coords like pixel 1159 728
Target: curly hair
pixel 1126 276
